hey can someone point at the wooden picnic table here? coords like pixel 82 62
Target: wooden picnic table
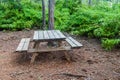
pixel 48 36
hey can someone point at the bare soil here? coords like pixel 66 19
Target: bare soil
pixel 91 62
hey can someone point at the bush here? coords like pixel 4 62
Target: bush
pixel 109 44
pixel 100 21
pixel 19 15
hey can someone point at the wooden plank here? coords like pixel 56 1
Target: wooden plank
pixel 67 56
pixel 70 42
pixel 60 34
pixel 19 48
pixel 33 57
pixel 40 35
pixel 46 35
pixel 23 45
pixel 55 34
pixel 35 37
pixel 51 35
pixel 75 42
pixel 49 49
pixel 26 44
pixel 22 40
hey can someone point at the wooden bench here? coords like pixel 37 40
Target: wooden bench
pixel 73 43
pixel 23 45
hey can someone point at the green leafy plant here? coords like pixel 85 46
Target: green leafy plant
pixel 109 44
pixel 20 15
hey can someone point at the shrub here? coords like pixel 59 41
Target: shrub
pixel 19 15
pixel 109 44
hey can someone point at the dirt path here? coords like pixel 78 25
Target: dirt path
pixel 91 62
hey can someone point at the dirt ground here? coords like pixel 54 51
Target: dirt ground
pixel 91 62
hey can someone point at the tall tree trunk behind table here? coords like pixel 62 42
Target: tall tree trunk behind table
pixel 90 2
pixel 51 5
pixel 43 15
pixel 51 14
pixel 117 1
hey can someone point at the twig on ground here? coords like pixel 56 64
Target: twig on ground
pixel 18 73
pixel 71 75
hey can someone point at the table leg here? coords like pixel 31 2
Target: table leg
pixel 36 45
pixel 60 43
pixel 33 57
pixel 67 56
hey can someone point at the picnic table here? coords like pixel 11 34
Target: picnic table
pixel 48 36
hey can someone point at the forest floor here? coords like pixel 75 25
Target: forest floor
pixel 91 62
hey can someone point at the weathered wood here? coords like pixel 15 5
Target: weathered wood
pixel 41 35
pixel 33 57
pixel 60 43
pixel 50 34
pixel 19 48
pixel 66 34
pixel 49 49
pixel 67 56
pixel 60 34
pixel 73 42
pixel 23 45
pixel 26 44
pixel 36 36
pixel 36 44
pixel 55 34
pixel 46 35
pixel 22 40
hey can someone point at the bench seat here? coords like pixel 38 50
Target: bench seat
pixel 73 43
pixel 23 45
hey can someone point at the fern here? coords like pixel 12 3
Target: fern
pixel 109 44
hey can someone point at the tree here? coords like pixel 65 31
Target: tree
pixel 97 2
pixel 43 15
pixel 90 2
pixel 117 1
pixel 51 14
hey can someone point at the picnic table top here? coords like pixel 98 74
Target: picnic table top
pixel 48 35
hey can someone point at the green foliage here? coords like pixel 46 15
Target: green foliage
pixel 19 15
pixel 109 44
pixel 100 21
pixel 62 18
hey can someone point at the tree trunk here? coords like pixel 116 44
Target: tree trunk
pixel 51 14
pixel 51 19
pixel 43 15
pixel 97 2
pixel 117 1
pixel 89 2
